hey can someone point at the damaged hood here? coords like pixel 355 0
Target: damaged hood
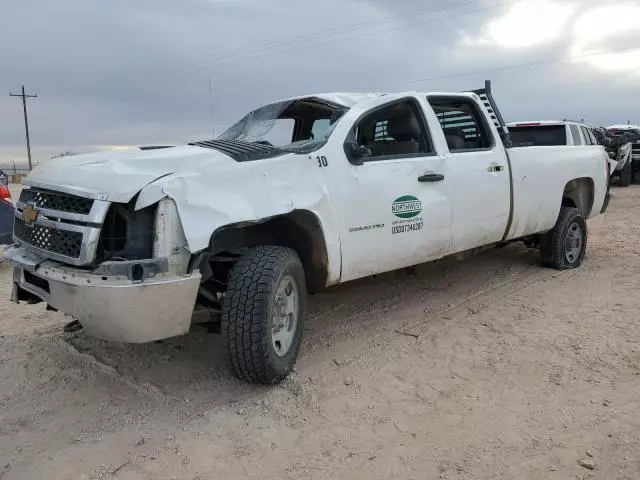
pixel 117 176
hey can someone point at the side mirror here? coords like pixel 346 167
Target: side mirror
pixel 355 152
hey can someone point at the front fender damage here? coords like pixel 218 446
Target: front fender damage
pixel 204 206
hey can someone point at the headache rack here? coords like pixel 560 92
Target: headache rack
pixel 491 107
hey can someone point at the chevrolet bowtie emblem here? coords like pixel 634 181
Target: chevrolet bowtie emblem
pixel 29 214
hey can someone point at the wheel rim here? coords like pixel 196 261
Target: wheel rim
pixel 573 242
pixel 284 318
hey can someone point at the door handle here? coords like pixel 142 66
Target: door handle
pixel 431 177
pixel 494 167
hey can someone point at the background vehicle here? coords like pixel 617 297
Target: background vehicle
pixel 550 133
pixel 557 133
pixel 627 139
pixel 6 216
pixel 298 195
pixel 572 133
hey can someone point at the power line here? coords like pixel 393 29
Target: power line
pixel 510 67
pixel 410 25
pixel 287 42
pixel 292 43
pixel 294 46
pixel 26 121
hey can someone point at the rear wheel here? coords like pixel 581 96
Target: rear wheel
pixel 565 246
pixel 625 175
pixel 263 314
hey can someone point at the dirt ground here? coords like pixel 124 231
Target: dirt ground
pixel 480 369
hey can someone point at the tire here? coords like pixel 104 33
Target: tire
pixel 263 314
pixel 625 175
pixel 564 246
pixel 635 174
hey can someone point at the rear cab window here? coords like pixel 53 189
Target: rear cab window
pixel 530 135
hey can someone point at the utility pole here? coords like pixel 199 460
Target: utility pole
pixel 26 121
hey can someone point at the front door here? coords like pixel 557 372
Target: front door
pixel 395 206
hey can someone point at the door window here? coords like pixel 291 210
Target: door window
pixel 588 136
pixel 585 135
pixel 395 130
pixel 464 127
pixel 575 134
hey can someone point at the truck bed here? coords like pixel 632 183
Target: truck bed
pixel 537 195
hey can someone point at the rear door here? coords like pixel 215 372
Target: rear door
pixel 476 171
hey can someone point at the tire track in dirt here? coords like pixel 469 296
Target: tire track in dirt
pixel 468 280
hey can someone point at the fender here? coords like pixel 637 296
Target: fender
pixel 247 193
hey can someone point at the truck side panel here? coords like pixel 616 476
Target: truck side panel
pixel 540 175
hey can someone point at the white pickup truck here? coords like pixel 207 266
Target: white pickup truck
pixel 297 196
pixel 570 133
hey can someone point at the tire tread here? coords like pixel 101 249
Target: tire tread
pixel 245 310
pixel 552 242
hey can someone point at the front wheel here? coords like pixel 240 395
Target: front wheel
pixel 263 314
pixel 564 246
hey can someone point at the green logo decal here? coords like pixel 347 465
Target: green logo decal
pixel 406 206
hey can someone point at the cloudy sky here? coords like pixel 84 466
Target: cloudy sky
pixel 110 73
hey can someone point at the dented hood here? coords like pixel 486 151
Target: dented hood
pixel 118 175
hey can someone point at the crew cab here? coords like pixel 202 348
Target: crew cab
pixel 299 195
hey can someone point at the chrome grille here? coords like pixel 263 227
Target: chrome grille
pixel 59 226
pixel 62 202
pixel 49 239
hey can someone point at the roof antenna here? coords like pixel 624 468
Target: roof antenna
pixel 213 130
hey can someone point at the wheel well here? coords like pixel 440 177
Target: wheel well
pixel 579 193
pixel 299 230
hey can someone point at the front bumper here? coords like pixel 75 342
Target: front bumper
pixel 109 308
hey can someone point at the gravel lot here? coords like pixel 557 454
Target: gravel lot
pixel 480 369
